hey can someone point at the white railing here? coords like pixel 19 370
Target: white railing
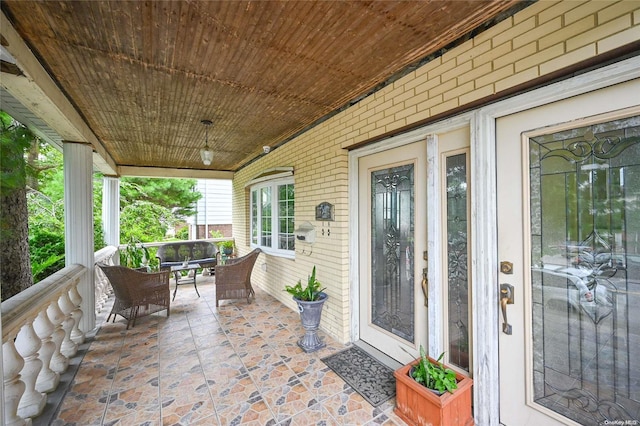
pixel 103 290
pixel 39 334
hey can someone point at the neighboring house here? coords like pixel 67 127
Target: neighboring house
pixel 213 209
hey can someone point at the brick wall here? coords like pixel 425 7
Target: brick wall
pixel 537 41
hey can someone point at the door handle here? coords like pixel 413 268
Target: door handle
pixel 425 287
pixel 506 298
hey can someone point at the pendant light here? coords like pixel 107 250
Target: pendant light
pixel 205 153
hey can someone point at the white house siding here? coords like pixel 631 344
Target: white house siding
pixel 213 209
pixel 541 39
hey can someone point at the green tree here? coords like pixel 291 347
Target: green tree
pixel 177 195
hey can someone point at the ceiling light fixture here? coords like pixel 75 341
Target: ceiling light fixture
pixel 205 153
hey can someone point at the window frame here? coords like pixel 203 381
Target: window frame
pixel 255 216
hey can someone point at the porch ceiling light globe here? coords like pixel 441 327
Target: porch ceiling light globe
pixel 205 153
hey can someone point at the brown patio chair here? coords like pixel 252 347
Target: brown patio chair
pixel 233 279
pixel 137 293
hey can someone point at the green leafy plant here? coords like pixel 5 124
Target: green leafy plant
pixel 434 375
pixel 134 255
pixel 310 292
pixel 225 245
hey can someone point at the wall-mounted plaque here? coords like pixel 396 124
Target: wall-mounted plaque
pixel 324 211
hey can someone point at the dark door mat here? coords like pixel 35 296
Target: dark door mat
pixel 367 376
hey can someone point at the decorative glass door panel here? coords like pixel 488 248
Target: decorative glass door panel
pixel 585 271
pixel 392 266
pixel 392 228
pixel 457 190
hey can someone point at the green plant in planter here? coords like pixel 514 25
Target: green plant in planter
pixel 434 376
pixel 309 293
pixel 226 247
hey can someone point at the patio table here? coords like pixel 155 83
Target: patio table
pixel 176 270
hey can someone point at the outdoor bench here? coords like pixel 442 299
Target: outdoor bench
pixel 200 252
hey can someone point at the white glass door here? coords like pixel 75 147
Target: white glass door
pixel 392 240
pixel 569 223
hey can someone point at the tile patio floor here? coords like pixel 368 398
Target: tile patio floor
pixel 233 365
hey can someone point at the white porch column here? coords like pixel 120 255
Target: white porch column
pixel 111 210
pixel 78 222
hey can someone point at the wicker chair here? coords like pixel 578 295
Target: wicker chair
pixel 137 293
pixel 233 279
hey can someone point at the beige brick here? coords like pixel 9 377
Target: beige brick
pixel 376 117
pixel 403 96
pixel 424 70
pixel 492 54
pixel 534 10
pixel 458 91
pixel 429 84
pixel 474 95
pixel 515 31
pixel 585 9
pixel 540 57
pixel 393 110
pixel 618 9
pixel 564 33
pixel 406 112
pixel 599 33
pixel 546 28
pixel 568 59
pixel 458 70
pixel 417 99
pixel 382 106
pixel 446 66
pixel 441 88
pixel 397 124
pixel 515 55
pixel 419 116
pixel 429 103
pixel 459 50
pixel 496 75
pixel 558 9
pixel 475 73
pixel 412 83
pixel 619 39
pixel 516 79
pixel 444 107
pixel 477 51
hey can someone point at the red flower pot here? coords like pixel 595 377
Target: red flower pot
pixel 417 405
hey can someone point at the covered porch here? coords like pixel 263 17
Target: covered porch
pixel 310 104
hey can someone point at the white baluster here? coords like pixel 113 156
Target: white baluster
pixel 27 344
pixel 77 336
pixel 59 362
pixel 47 379
pixel 13 387
pixel 68 348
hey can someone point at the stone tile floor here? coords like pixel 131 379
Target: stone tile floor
pixel 233 365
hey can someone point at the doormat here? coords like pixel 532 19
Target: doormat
pixel 367 376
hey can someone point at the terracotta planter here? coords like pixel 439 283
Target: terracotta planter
pixel 417 405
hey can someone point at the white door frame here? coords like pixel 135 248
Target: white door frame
pixel 484 268
pixel 434 201
pixel 484 265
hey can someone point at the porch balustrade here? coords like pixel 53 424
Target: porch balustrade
pixel 40 334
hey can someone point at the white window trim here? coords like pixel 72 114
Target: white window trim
pixel 273 184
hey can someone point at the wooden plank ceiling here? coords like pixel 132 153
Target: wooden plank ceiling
pixel 144 74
